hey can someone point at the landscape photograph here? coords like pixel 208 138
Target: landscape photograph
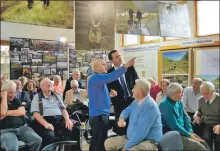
pixel 54 13
pixel 175 62
pixel 181 79
pixel 137 17
pixel 215 79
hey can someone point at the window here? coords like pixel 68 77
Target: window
pixel 130 40
pixel 207 17
pixel 172 38
pixel 151 38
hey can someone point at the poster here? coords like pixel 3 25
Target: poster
pixel 137 17
pixel 175 62
pixel 181 79
pixel 146 63
pixel 44 13
pixel 174 20
pixel 95 25
pixel 207 65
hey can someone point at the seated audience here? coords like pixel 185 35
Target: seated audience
pixel 191 96
pixel 23 96
pixel 58 87
pixel 144 128
pixel 75 94
pixel 175 119
pixel 50 115
pixel 13 125
pixel 208 115
pixel 163 92
pixel 30 88
pixel 155 89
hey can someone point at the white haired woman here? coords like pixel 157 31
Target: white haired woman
pixel 58 87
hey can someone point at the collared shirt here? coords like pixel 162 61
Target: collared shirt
pixel 212 98
pixel 124 79
pixel 160 97
pixel 142 101
pixel 190 100
pixel 51 106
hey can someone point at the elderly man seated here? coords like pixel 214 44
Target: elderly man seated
pixel 145 127
pixel 13 124
pixel 50 114
pixel 208 115
pixel 175 119
pixel 75 94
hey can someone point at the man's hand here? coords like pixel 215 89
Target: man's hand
pixel 69 124
pixel 197 119
pixel 216 129
pixel 196 138
pixel 4 95
pixel 130 62
pixel 121 122
pixel 49 126
pixel 113 93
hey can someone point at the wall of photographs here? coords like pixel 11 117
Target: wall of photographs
pixel 81 59
pixel 38 58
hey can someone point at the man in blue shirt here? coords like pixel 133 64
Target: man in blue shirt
pixel 144 128
pixel 99 101
pixel 174 118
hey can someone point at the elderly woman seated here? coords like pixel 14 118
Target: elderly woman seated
pixel 75 94
pixel 175 119
pixel 57 86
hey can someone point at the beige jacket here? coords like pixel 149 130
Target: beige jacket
pixel 69 99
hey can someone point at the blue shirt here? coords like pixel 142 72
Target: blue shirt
pixel 174 117
pixel 99 99
pixel 144 122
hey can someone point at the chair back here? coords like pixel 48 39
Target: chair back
pixel 54 146
pixel 171 141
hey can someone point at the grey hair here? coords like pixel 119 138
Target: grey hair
pixel 74 82
pixel 151 79
pixel 8 84
pixel 144 85
pixel 198 79
pixel 56 77
pixel 43 81
pixel 174 87
pixel 23 80
pixel 207 85
pixel 75 71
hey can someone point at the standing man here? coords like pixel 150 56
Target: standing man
pixel 99 101
pixel 123 86
pixel 131 12
pixel 191 96
pixel 139 17
pixel 75 76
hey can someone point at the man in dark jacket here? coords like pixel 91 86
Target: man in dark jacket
pixel 123 86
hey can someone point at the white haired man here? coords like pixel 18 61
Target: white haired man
pixel 191 96
pixel 13 124
pixel 144 128
pixel 174 118
pixel 99 101
pixel 208 115
pixel 50 115
pixel 75 94
pixel 75 76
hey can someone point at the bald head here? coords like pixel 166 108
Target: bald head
pixel 196 84
pixel 99 66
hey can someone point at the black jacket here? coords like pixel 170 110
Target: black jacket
pixel 118 101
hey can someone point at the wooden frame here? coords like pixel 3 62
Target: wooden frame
pixel 5 43
pixel 196 21
pixel 142 41
pixel 123 41
pixel 195 55
pixel 160 63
